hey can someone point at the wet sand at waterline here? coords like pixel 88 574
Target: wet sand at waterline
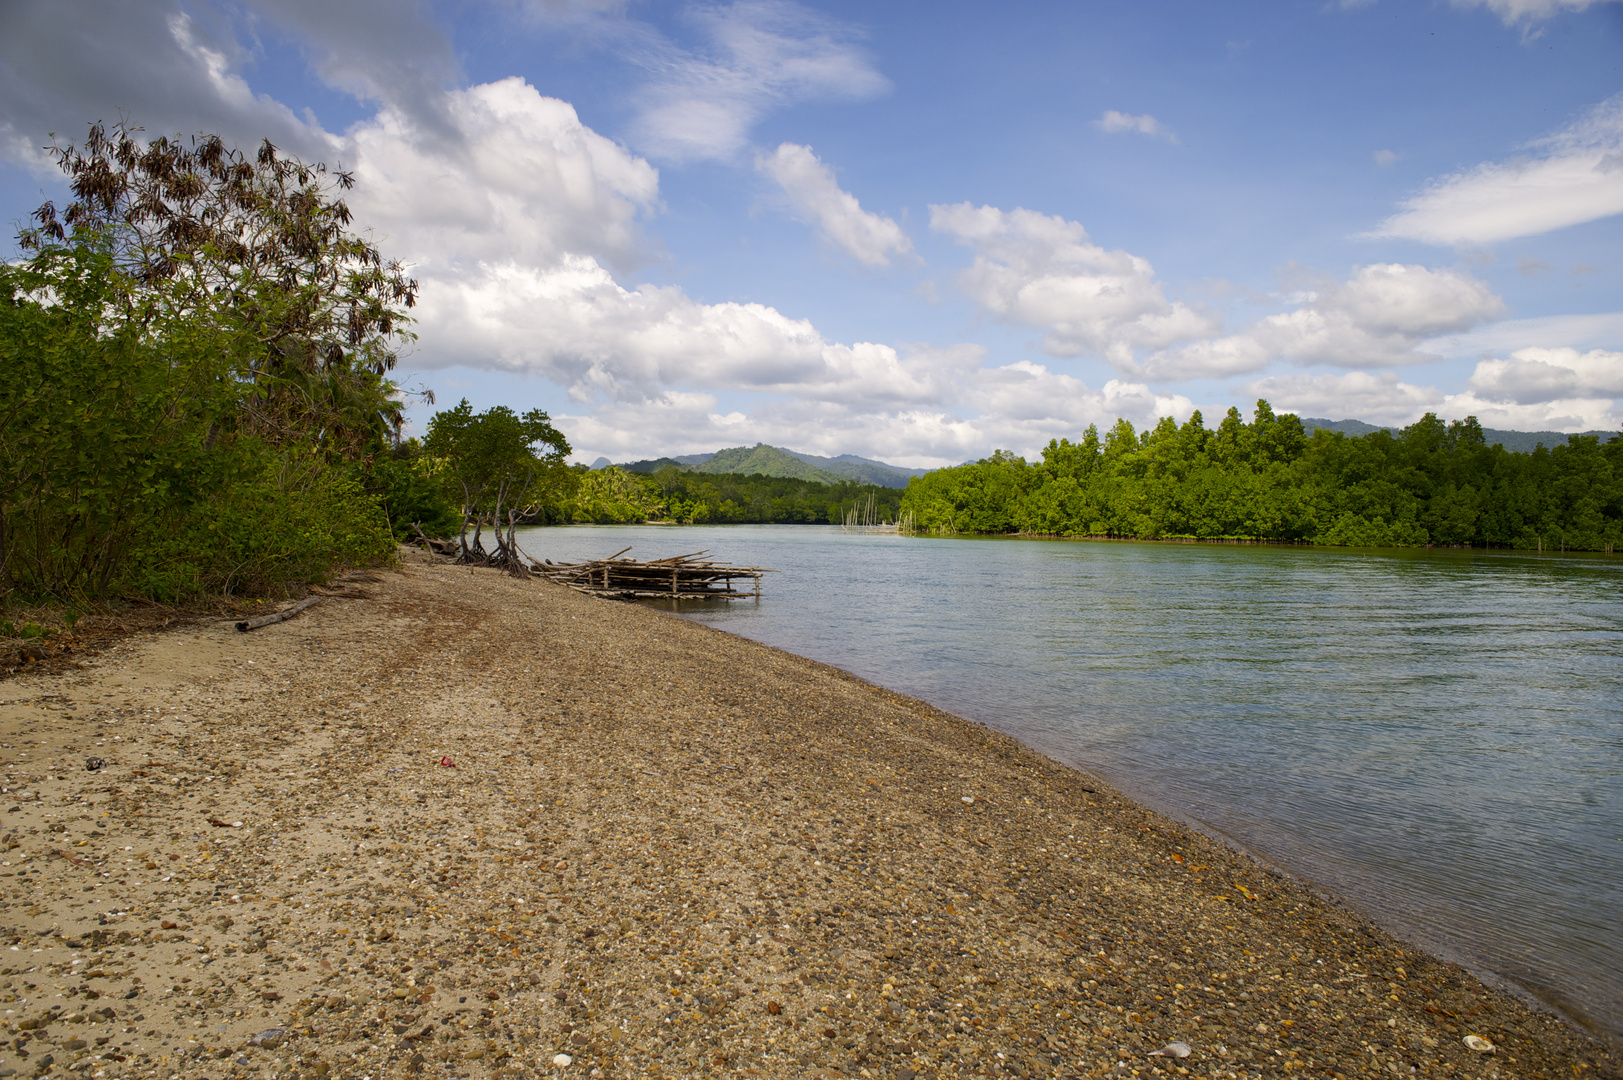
pixel 470 826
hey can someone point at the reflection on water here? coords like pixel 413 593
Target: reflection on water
pixel 1436 736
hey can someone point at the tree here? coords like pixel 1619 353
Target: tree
pixel 192 350
pixel 504 466
pixel 199 235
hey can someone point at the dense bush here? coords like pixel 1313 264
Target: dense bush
pixel 194 358
pixel 1432 483
pixel 294 522
pixel 614 496
pixel 411 497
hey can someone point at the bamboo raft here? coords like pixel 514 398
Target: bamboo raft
pixel 682 577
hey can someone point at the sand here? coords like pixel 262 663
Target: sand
pixel 459 825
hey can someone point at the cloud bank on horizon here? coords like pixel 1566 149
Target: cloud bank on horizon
pixel 788 222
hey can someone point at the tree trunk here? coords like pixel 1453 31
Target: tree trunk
pixel 281 616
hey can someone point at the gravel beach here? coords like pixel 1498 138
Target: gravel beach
pixel 458 825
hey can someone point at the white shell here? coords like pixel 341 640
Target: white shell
pixel 1172 1050
pixel 562 1060
pixel 1479 1044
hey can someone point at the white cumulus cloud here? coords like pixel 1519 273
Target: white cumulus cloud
pixel 1015 407
pixel 1374 397
pixel 1535 376
pixel 814 193
pixel 1144 124
pixel 525 179
pixel 1376 318
pixel 1037 270
pixel 1573 176
pixel 573 324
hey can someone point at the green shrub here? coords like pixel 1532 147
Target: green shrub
pixel 292 525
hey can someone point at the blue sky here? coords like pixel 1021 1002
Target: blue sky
pixel 922 231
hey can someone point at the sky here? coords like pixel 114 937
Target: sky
pixel 921 231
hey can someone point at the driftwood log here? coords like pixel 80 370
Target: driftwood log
pixel 281 616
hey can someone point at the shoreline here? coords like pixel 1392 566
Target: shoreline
pixel 657 849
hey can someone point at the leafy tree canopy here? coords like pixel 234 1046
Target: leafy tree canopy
pixel 506 467
pixel 199 235
pixel 1433 483
pixel 194 350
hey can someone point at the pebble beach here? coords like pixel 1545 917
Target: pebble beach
pixel 447 823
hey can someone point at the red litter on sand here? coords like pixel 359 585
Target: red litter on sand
pixel 447 763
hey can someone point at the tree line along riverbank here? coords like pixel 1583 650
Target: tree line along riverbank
pixel 200 402
pixel 1433 483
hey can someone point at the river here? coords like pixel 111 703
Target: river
pixel 1435 737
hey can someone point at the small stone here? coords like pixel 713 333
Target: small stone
pixel 562 1060
pixel 774 1008
pixel 968 798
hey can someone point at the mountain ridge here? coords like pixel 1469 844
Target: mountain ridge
pixel 1518 442
pixel 767 460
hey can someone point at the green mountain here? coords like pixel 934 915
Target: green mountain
pixel 765 460
pixel 862 470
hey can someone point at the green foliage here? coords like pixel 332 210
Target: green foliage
pixel 192 353
pixel 612 496
pixel 102 427
pixel 615 496
pixel 403 483
pixel 292 523
pixel 1433 483
pixel 200 237
pixel 764 460
pixel 502 466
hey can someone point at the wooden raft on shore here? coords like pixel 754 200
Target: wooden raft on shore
pixel 681 577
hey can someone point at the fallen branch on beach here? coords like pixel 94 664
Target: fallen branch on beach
pixel 281 616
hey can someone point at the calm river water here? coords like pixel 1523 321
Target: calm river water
pixel 1436 737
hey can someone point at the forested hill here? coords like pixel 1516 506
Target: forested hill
pixel 1429 484
pixel 764 460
